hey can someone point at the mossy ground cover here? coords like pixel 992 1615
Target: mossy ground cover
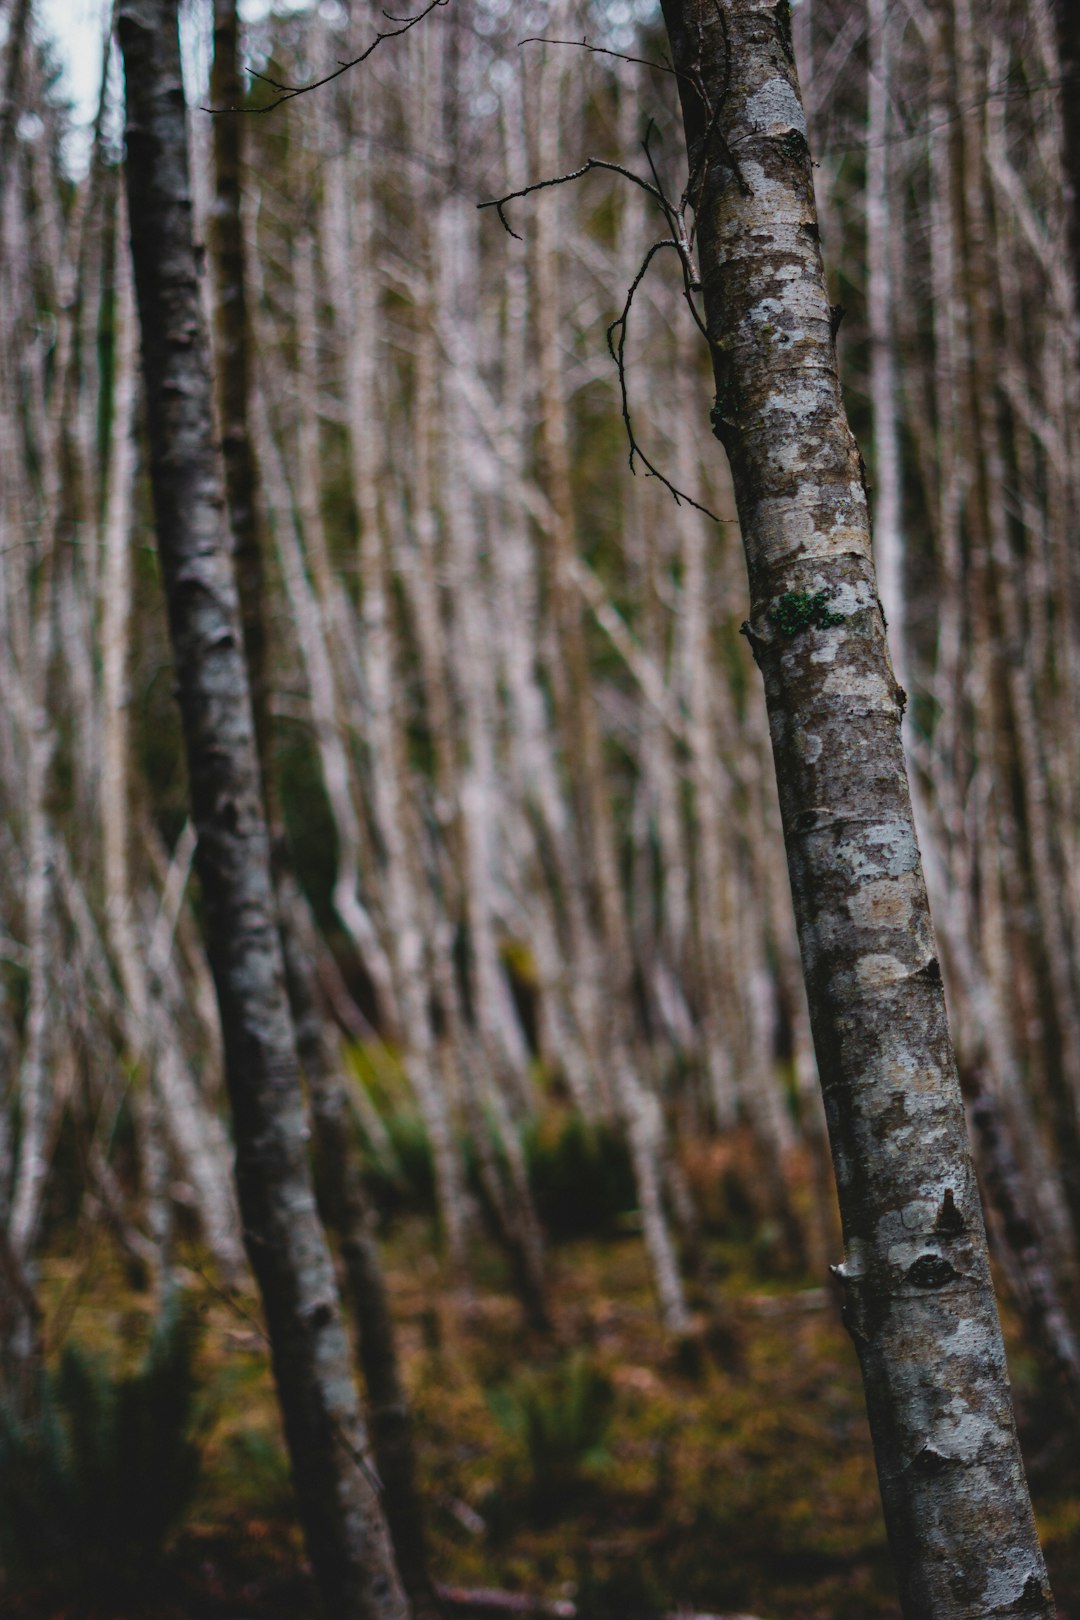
pixel 599 1464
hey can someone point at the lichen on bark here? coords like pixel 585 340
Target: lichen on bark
pixel 919 1301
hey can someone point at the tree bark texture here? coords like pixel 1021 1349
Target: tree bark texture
pixel 341 1191
pixel 919 1300
pixel 348 1211
pixel 343 1520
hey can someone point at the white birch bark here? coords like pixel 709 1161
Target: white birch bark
pixel 347 233
pixel 343 1520
pixel 919 1298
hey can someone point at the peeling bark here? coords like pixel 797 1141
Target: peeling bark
pixel 919 1301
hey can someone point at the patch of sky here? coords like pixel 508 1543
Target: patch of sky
pixel 75 33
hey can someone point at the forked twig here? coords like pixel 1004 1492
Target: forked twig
pixel 499 203
pixel 618 354
pixel 681 240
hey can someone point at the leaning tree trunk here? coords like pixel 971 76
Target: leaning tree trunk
pixel 341 1190
pixel 920 1303
pixel 344 1524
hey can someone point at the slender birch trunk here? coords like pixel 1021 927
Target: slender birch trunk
pixel 496 1056
pixel 169 1097
pixel 711 882
pixel 343 1520
pixel 323 619
pixel 341 1189
pixel 349 208
pixel 18 21
pixel 605 959
pixel 919 1299
pixel 232 368
pixel 30 699
pixel 347 1209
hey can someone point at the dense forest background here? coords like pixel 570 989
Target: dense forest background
pixel 523 780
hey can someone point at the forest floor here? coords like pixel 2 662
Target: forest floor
pixel 598 1465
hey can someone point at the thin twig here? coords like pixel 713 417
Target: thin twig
pixel 602 50
pixel 676 218
pixel 289 92
pixel 618 354
pixel 499 203
pixel 679 240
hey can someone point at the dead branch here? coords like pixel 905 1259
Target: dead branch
pixel 617 350
pixel 289 92
pixel 603 50
pixel 681 240
pixel 499 203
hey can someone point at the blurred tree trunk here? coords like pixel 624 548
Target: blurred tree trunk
pixel 17 20
pixel 1067 17
pixel 888 539
pixel 604 931
pixel 342 1195
pixel 349 218
pixel 168 1102
pixel 345 1529
pixel 920 1303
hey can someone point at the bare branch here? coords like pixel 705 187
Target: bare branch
pixel 676 218
pixel 499 203
pixel 289 92
pixel 618 354
pixel 680 240
pixel 602 50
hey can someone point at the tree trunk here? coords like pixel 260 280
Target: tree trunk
pixel 342 1195
pixel 1067 18
pixel 345 1529
pixel 888 539
pixel 920 1304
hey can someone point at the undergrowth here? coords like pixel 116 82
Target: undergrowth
pixel 95 1479
pixel 560 1416
pixel 590 1464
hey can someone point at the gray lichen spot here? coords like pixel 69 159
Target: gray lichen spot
pixel 827 653
pixel 1015 1582
pixel 966 1340
pixel 775 108
pixel 887 850
pixel 896 839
